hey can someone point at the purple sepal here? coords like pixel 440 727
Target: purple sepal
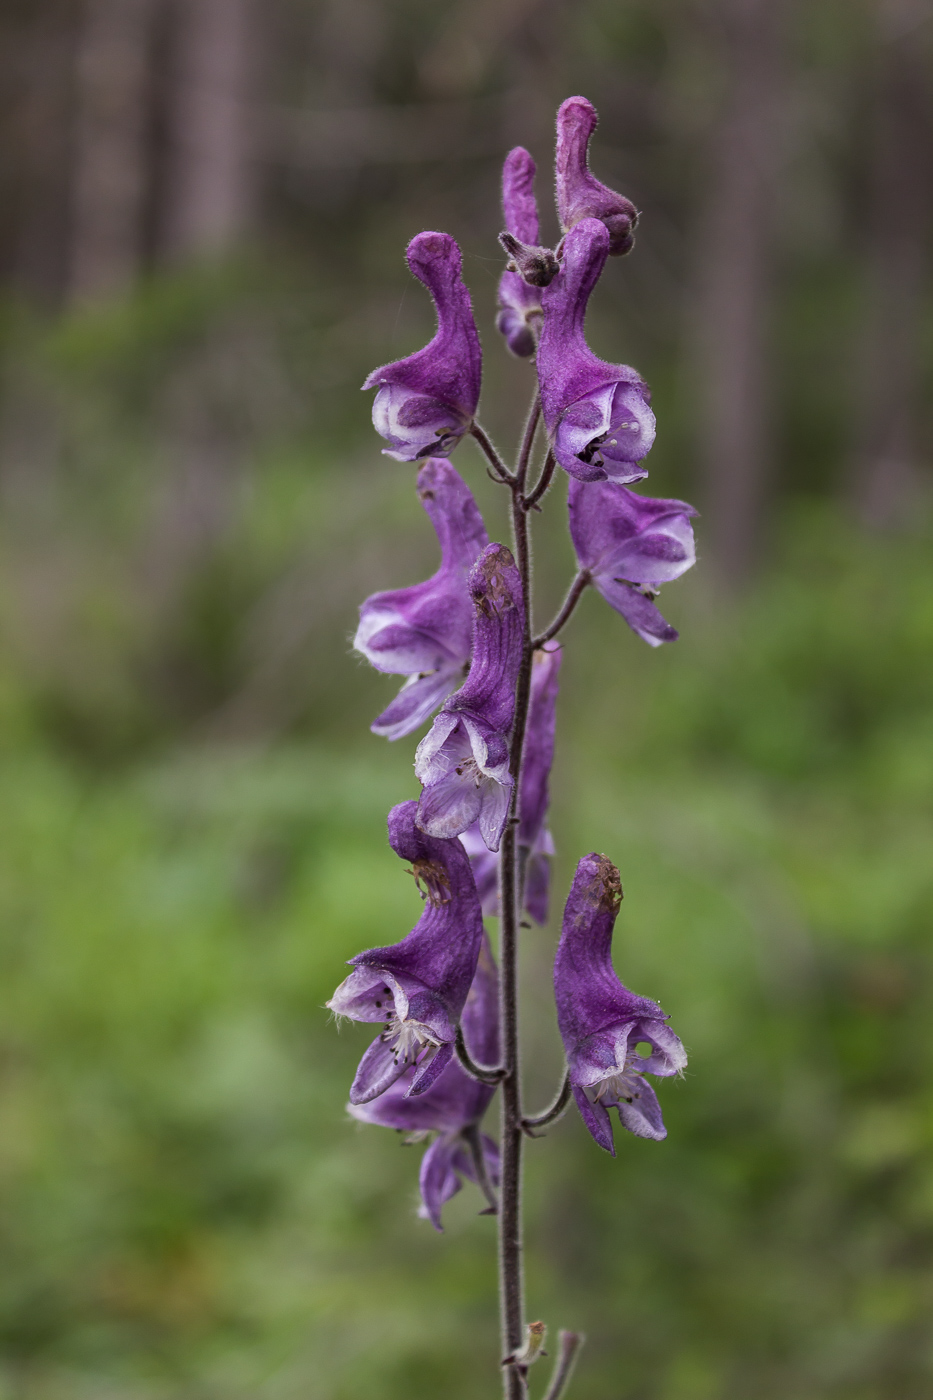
pixel 579 194
pixel 426 402
pixel 463 760
pixel 425 632
pixel 630 545
pixel 453 1102
pixel 445 1162
pixel 538 755
pixel 601 1022
pixel 598 415
pixel 519 300
pixel 418 987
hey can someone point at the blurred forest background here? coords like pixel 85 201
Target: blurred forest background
pixel 203 211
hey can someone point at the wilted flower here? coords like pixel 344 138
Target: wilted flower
pixel 630 545
pixel 416 987
pixel 453 1105
pixel 533 833
pixel 426 631
pixel 530 267
pixel 601 1022
pixel 463 761
pixel 579 194
pixel 598 415
pixel 426 402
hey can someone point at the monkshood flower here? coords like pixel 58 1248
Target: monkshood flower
pixel 579 194
pixel 598 415
pixel 426 402
pixel 463 760
pixel 426 632
pixel 602 1023
pixel 530 268
pixel 629 545
pixel 417 987
pixel 533 834
pixel 453 1105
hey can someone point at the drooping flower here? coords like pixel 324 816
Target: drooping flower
pixel 463 760
pixel 416 987
pixel 579 194
pixel 533 833
pixel 454 1104
pixel 426 631
pixel 426 402
pixel 530 267
pixel 601 1022
pixel 630 545
pixel 598 415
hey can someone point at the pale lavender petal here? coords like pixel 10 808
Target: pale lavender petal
pixel 417 700
pixel 596 1119
pixel 437 1179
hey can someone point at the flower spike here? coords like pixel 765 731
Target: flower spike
pixel 453 1104
pixel 601 1022
pixel 425 632
pixel 463 761
pixel 426 402
pixel 579 194
pixel 417 987
pixel 630 545
pixel 529 268
pixel 597 414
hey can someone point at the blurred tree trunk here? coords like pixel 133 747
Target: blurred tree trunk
pixel 209 178
pixel 734 248
pixel 111 145
pixel 887 478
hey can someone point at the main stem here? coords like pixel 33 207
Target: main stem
pixel 511 1281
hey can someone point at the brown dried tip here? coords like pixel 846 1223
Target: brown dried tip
pixel 609 884
pixel 432 880
pixel 536 266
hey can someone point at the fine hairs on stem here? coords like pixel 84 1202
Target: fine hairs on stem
pixel 464 641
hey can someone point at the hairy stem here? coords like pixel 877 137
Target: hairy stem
pixel 569 1343
pixel 484 1073
pixel 500 471
pixel 543 482
pixel 577 588
pixel 553 1111
pixel 511 1281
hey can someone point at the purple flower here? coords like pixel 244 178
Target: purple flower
pixel 425 632
pixel 579 194
pixel 602 1023
pixel 417 987
pixel 530 268
pixel 630 545
pixel 463 760
pixel 454 1103
pixel 426 402
pixel 598 415
pixel 533 834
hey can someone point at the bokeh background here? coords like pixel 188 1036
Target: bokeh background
pixel 203 210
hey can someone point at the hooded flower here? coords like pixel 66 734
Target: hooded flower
pixel 530 267
pixel 417 987
pixel 425 632
pixel 463 760
pixel 533 834
pixel 630 545
pixel 597 414
pixel 426 402
pixel 579 194
pixel 454 1103
pixel 602 1023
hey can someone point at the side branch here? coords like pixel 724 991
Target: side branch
pixel 544 480
pixel 552 1112
pixel 569 1344
pixel 528 437
pixel 472 1137
pixel 580 583
pixel 485 1074
pixel 499 469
